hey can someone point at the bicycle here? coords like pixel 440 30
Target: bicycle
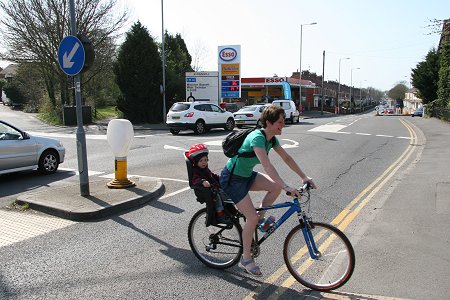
pixel 318 255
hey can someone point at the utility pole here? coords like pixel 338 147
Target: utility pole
pixel 323 82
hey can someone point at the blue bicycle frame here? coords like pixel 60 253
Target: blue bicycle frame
pixel 294 207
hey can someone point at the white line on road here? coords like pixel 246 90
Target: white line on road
pixel 90 172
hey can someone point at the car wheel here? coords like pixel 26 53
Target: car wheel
pixel 229 125
pixel 48 162
pixel 174 131
pixel 200 127
pixel 298 119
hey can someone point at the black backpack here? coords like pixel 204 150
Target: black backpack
pixel 233 142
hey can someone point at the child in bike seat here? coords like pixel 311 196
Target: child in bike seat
pixel 202 176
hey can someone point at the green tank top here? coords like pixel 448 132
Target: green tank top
pixel 244 165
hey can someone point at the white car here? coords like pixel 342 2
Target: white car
pixel 290 110
pixel 198 116
pixel 249 115
pixel 20 151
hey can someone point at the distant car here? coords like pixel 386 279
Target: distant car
pixel 20 151
pixel 291 113
pixel 248 115
pixel 198 116
pixel 418 112
pixel 389 111
pixel 380 109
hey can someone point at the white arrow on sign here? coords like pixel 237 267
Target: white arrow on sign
pixel 67 59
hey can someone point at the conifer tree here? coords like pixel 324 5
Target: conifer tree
pixel 138 72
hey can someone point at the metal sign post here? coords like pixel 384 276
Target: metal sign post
pixel 71 59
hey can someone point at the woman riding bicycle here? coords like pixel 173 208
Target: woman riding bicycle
pixel 243 179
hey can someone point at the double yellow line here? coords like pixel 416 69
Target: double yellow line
pixel 346 216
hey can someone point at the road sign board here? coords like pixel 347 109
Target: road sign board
pixel 71 55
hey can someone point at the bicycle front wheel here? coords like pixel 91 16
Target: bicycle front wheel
pixel 332 263
pixel 219 246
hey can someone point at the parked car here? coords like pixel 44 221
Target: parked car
pixel 290 110
pixel 418 112
pixel 198 116
pixel 389 111
pixel 249 115
pixel 380 109
pixel 20 151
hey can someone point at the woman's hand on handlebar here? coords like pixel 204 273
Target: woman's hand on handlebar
pixel 290 191
pixel 310 181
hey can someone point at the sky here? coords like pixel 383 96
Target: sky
pixel 385 39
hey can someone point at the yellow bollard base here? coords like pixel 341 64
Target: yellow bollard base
pixel 120 184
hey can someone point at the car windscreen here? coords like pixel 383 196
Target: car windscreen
pixel 179 107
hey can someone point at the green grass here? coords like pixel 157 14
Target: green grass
pixel 106 112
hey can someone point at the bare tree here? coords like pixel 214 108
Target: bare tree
pixel 200 55
pixel 31 31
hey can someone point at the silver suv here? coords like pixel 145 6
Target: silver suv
pixel 290 110
pixel 198 116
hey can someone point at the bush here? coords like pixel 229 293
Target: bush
pixel 13 93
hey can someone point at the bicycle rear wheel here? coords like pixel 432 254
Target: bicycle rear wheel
pixel 217 246
pixel 335 260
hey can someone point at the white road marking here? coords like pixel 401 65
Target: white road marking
pixel 336 128
pixel 90 172
pixel 328 128
pixel 18 226
pixel 174 148
pixel 383 135
pixel 174 193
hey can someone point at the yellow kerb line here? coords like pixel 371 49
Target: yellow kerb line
pixel 345 217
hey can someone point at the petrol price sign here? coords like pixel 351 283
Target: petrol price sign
pixel 230 70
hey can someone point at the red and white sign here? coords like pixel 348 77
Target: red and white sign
pixel 275 79
pixel 228 54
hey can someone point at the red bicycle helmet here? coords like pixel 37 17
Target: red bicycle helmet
pixel 197 150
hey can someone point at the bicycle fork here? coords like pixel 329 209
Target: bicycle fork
pixel 309 238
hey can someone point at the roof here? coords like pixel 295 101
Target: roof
pixel 9 71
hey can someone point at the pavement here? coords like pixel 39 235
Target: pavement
pixel 66 202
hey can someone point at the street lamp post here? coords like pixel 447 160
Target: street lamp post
pixel 300 70
pixel 163 64
pixel 339 85
pixel 351 84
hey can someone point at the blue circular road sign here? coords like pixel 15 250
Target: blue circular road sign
pixel 71 55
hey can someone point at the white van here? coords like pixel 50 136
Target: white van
pixel 290 110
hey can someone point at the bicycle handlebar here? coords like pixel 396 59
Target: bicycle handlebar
pixel 305 188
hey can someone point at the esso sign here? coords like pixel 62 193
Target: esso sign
pixel 228 54
pixel 275 79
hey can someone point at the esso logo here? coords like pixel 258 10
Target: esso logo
pixel 275 79
pixel 227 54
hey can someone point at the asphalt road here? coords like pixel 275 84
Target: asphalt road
pixel 144 253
